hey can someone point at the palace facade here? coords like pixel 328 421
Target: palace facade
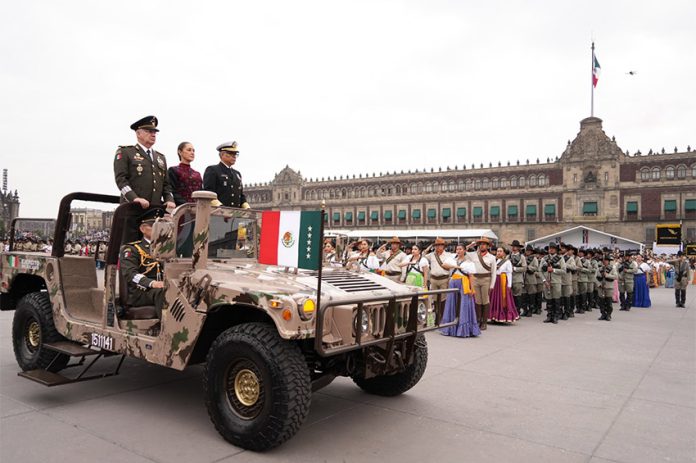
pixel 593 183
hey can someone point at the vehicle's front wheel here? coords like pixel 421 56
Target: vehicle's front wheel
pixel 392 385
pixel 32 327
pixel 257 386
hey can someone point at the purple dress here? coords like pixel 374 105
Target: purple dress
pixel 467 325
pixel 502 307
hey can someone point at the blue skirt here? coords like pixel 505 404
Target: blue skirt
pixel 467 325
pixel 641 293
pixel 669 279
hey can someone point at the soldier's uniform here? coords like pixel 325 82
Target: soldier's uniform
pixel 554 268
pixel 530 281
pixel 567 285
pixel 681 278
pixel 627 272
pixel 483 281
pixel 438 275
pixel 391 265
pixel 519 268
pixel 540 279
pixel 226 181
pixel 139 269
pixel 582 265
pixel 142 175
pixel 606 274
pixel 592 282
pixel 575 302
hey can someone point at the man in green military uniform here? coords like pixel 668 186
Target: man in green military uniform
pixel 554 269
pixel 584 270
pixel 681 281
pixel 142 272
pixel 627 271
pixel 605 276
pixel 530 281
pixel 140 171
pixel 567 282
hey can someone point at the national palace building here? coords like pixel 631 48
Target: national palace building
pixel 593 183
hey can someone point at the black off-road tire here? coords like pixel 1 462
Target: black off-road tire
pixel 393 385
pixel 284 392
pixel 32 327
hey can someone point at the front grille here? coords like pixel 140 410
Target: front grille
pixel 350 282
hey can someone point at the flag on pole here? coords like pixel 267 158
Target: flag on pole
pixel 595 70
pixel 290 239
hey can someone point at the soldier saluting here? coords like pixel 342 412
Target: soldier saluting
pixel 225 180
pixel 140 171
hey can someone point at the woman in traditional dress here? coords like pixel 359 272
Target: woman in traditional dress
pixel 416 268
pixel 330 257
pixel 641 293
pixel 459 278
pixel 503 308
pixel 363 260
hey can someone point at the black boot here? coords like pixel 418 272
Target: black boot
pixel 588 302
pixel 677 296
pixel 518 304
pixel 608 308
pixel 527 303
pixel 578 304
pixel 622 300
pixel 595 299
pixel 683 298
pixel 549 312
pixel 563 310
pixel 558 310
pixel 573 303
pixel 629 301
pixel 538 297
pixel 569 306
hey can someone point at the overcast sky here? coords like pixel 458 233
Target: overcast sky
pixel 332 88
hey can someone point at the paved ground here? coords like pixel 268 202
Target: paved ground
pixel 581 391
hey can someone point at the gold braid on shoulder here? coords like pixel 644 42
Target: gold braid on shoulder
pixel 148 265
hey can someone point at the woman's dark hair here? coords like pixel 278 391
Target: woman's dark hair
pixel 181 146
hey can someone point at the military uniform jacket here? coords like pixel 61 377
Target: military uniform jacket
pixel 435 261
pixel 626 275
pixel 607 275
pixel 530 273
pixel 584 270
pixel 139 177
pixel 557 263
pixel 519 267
pixel 569 269
pixel 226 182
pixel 578 268
pixel 139 269
pixel 540 273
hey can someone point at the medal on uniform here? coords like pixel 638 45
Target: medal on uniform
pixel 160 161
pixel 139 169
pixel 138 157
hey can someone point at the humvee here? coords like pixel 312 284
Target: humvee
pixel 266 336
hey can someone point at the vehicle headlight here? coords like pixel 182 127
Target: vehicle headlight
pixel 422 312
pixel 306 308
pixel 364 321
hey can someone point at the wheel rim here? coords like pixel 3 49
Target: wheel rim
pixel 245 389
pixel 33 335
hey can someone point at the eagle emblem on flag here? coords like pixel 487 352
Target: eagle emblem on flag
pixel 288 240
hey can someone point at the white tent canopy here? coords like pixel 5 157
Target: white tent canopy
pixel 586 237
pixel 453 234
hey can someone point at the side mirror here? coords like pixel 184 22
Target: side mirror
pixel 163 245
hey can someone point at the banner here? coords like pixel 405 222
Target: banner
pixel 290 239
pixel 668 234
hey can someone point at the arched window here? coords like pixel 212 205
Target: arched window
pixel 645 173
pixel 513 182
pixel 477 184
pixel 681 171
pixel 522 182
pixel 333 194
pixel 496 183
pixel 436 187
pixel 420 188
pixel 428 188
pixel 398 189
pixel 461 185
pixel 413 188
pixel 656 173
pixel 486 184
pixel 533 180
pixel 451 186
pixel 669 173
pixel 307 195
pixel 469 184
pixel 504 182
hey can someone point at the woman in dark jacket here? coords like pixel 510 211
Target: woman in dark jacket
pixel 183 179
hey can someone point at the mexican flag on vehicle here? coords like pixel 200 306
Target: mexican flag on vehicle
pixel 291 239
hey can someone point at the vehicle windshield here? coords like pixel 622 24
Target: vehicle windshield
pixel 233 234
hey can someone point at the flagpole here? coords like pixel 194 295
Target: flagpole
pixel 592 83
pixel 321 254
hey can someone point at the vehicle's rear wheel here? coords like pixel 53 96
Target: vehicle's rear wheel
pixel 257 386
pixel 32 327
pixel 391 385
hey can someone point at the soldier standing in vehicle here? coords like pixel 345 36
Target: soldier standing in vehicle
pixel 224 180
pixel 392 260
pixel 519 268
pixel 140 171
pixel 142 272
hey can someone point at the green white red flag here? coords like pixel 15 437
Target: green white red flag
pixel 291 239
pixel 595 70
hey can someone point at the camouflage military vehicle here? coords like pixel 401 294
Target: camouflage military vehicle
pixel 265 342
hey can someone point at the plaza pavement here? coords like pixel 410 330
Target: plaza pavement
pixel 580 391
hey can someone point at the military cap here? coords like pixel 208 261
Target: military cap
pixel 552 244
pixel 147 123
pixel 529 248
pixel 228 146
pixel 516 243
pixel 151 215
pixel 608 257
